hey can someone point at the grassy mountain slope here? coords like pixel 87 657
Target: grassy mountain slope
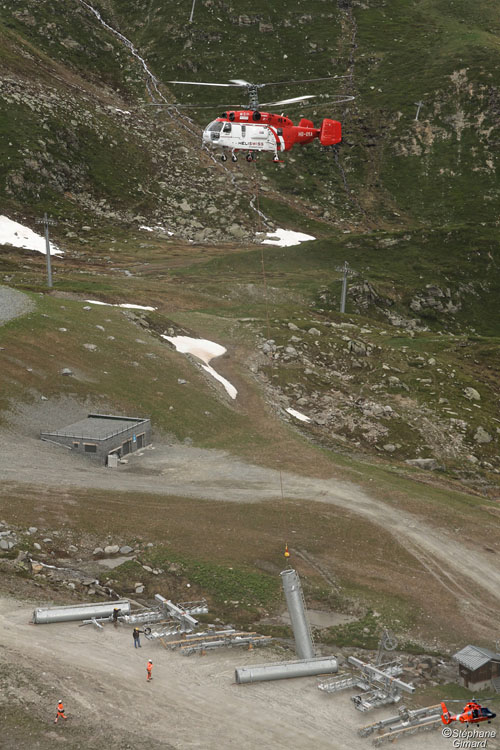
pixel 439 169
pixel 410 204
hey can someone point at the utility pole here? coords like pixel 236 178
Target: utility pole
pixel 346 272
pixel 192 12
pixel 418 105
pixel 46 222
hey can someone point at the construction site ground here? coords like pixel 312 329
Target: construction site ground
pixel 192 702
pixel 52 484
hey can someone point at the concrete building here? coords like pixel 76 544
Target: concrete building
pixel 478 668
pixel 102 435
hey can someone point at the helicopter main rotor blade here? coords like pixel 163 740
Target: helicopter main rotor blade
pixel 335 99
pixel 306 80
pixel 288 101
pixel 200 83
pixel 240 82
pixel 199 106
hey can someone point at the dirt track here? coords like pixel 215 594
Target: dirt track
pixel 215 475
pixel 192 701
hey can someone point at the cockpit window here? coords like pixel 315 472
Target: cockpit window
pixel 215 126
pixel 227 127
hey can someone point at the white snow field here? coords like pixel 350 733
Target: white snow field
pixel 127 305
pixel 286 238
pixel 205 351
pixel 298 415
pixel 17 235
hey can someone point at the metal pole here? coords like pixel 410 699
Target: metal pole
pixel 192 12
pixel 298 618
pixel 419 105
pixel 344 288
pixel 47 251
pixel 282 670
pixel 46 221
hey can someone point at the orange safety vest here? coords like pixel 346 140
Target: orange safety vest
pixel 149 667
pixel 60 708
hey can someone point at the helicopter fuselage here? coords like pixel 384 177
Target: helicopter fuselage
pixel 247 130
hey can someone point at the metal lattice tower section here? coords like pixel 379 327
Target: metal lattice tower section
pixel 380 685
pixel 388 642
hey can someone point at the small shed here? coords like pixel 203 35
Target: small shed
pixel 478 667
pixel 101 435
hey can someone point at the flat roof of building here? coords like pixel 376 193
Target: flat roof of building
pixel 98 427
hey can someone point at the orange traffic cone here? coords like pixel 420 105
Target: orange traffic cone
pixel 287 554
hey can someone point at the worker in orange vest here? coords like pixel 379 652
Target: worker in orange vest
pixel 60 712
pixel 149 669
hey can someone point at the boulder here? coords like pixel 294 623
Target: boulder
pixel 66 371
pixel 481 436
pixel 359 348
pixel 111 549
pixel 424 463
pixel 314 332
pixel 472 394
pixel 90 347
pixel 32 529
pixel 126 550
pixel 98 551
pixel 293 327
pixel 72 548
pixel 237 231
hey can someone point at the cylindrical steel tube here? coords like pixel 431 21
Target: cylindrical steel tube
pixel 295 603
pixel 285 669
pixel 46 615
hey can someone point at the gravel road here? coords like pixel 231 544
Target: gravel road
pixel 13 304
pixel 187 471
pixel 191 703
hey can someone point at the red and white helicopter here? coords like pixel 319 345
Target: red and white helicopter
pixel 251 130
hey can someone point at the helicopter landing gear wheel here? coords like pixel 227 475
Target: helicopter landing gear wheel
pixel 249 157
pixel 223 157
pixel 276 158
pixel 234 157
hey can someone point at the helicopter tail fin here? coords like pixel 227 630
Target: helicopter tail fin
pixel 330 133
pixel 446 717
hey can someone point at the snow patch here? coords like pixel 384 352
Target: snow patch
pixel 286 238
pixel 12 233
pixel 298 415
pixel 158 228
pixel 205 351
pixel 128 306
